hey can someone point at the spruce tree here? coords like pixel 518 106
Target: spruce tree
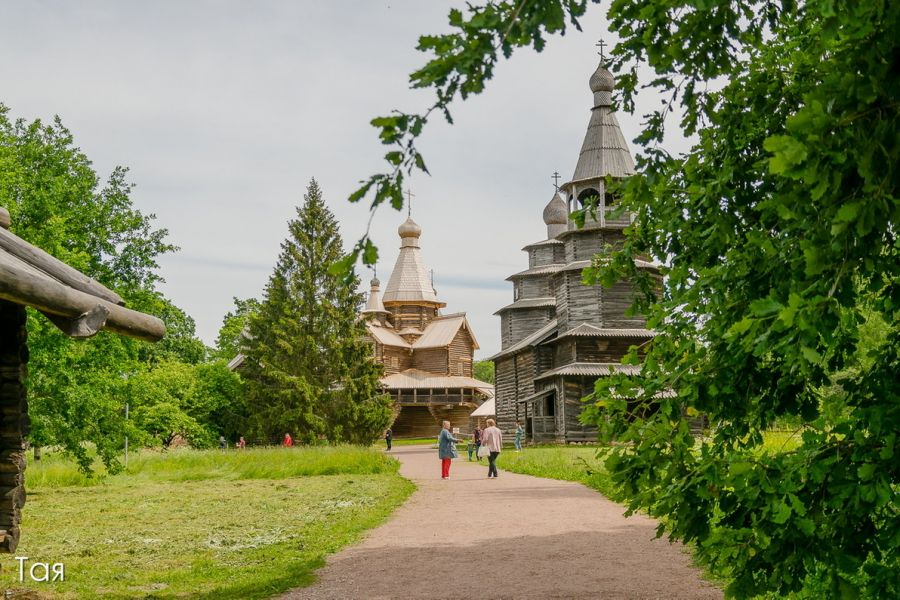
pixel 309 371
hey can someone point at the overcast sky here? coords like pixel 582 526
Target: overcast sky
pixel 223 111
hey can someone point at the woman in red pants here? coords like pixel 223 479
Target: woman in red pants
pixel 446 449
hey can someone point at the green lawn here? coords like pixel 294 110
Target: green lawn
pixel 570 463
pixel 202 524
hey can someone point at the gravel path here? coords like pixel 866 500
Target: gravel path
pixel 516 536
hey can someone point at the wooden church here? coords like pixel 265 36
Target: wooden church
pixel 427 356
pixel 559 335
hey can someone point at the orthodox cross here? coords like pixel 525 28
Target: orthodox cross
pixel 409 196
pixel 601 44
pixel 555 178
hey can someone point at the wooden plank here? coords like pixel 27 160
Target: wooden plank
pixel 26 286
pixel 54 267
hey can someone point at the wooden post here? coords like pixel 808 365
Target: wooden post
pixel 14 423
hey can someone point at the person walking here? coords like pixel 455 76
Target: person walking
pixel 520 433
pixel 388 437
pixel 222 443
pixel 476 439
pixel 492 439
pixel 288 441
pixel 242 443
pixel 446 449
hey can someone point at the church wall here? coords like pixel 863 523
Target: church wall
pixel 608 350
pixel 585 301
pixel 525 321
pixel 411 315
pixel 617 300
pixel 395 359
pixel 433 360
pixel 534 287
pixel 538 257
pixel 561 291
pixel 564 352
pixel 461 351
pixel 505 392
pixel 577 388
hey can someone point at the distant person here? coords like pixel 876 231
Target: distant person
pixel 520 433
pixel 476 440
pixel 241 444
pixel 492 438
pixel 288 441
pixel 446 449
pixel 388 437
pixel 222 443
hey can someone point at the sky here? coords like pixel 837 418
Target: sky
pixel 223 111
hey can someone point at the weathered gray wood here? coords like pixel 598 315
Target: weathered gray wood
pixel 26 286
pixel 54 267
pixel 5 220
pixel 83 326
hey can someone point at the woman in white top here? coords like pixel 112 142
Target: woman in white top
pixel 492 437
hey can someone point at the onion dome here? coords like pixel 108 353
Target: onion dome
pixel 409 228
pixel 556 212
pixel 602 80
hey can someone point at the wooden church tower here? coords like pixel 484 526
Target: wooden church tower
pixel 427 356
pixel 559 335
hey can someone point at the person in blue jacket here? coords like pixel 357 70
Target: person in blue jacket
pixel 446 449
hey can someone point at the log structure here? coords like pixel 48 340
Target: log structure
pixel 77 305
pixel 559 335
pixel 427 356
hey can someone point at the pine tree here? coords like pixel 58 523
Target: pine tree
pixel 309 371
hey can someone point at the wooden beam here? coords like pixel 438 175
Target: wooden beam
pixel 30 287
pixel 54 267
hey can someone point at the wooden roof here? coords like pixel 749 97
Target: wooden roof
pixel 386 336
pixel 418 379
pixel 604 150
pixel 591 370
pixel 77 304
pixel 439 333
pixel 528 303
pixel 409 281
pixel 588 330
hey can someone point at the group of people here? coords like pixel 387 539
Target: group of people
pixel 240 444
pixel 489 442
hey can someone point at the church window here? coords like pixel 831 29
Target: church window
pixel 549 407
pixel 588 194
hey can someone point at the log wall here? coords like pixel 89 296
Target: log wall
pixel 505 392
pixel 433 360
pixel 616 302
pixel 525 321
pixel 14 423
pixel 396 359
pixel 461 351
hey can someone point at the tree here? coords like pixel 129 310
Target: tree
pixel 232 338
pixel 309 371
pixel 57 203
pixel 484 370
pixel 778 236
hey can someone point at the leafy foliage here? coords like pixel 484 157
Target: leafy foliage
pixel 484 370
pixel 778 230
pixel 309 371
pixel 78 388
pixel 463 62
pixel 778 235
pixel 231 338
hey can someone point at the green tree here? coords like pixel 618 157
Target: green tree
pixel 484 370
pixel 231 338
pixel 78 388
pixel 309 372
pixel 778 236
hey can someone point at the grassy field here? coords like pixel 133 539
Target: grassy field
pixel 570 463
pixel 201 524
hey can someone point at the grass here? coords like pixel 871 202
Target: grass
pixel 569 463
pixel 202 524
pixel 415 441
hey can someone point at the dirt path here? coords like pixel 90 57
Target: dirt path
pixel 516 536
